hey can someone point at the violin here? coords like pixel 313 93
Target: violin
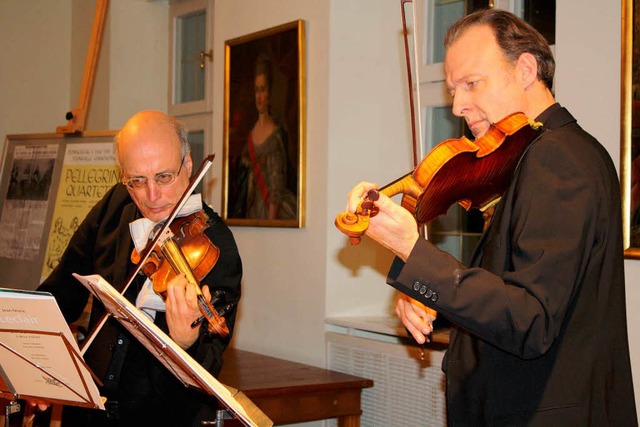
pixel 470 173
pixel 186 251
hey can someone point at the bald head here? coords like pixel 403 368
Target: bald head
pixel 143 122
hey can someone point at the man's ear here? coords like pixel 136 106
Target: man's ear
pixel 527 69
pixel 188 164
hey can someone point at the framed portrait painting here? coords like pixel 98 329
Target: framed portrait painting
pixel 630 127
pixel 264 168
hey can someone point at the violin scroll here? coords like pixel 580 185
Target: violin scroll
pixel 354 224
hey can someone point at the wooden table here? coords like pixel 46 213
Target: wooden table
pixel 290 392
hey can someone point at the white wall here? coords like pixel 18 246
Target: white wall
pixel 369 139
pixel 138 44
pixel 357 128
pixel 35 94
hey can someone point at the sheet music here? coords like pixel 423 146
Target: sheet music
pixel 174 358
pixel 39 356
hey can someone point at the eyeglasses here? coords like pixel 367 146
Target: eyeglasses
pixel 162 178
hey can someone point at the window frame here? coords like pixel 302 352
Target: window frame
pixel 177 10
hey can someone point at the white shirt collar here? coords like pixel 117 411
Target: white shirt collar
pixel 141 229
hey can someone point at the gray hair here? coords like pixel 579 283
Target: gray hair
pixel 514 36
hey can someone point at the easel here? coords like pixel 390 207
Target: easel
pixel 77 117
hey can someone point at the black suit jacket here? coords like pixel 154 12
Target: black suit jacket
pixel 540 331
pixel 134 380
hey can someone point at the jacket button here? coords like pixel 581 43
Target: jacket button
pixel 429 293
pixel 423 289
pixel 416 286
pixel 434 297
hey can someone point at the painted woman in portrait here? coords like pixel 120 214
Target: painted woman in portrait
pixel 265 156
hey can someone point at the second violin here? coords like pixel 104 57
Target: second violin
pixel 470 173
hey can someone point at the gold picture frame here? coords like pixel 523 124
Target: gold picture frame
pixel 630 128
pixel 264 128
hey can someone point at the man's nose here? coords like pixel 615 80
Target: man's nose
pixel 153 190
pixel 459 106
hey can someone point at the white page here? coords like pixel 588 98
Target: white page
pixel 39 356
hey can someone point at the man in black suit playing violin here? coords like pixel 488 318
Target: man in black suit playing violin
pixel 152 151
pixel 539 333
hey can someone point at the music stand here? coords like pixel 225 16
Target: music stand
pixel 39 356
pixel 171 355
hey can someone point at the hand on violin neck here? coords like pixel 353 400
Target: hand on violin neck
pixel 183 310
pixel 359 193
pixel 391 225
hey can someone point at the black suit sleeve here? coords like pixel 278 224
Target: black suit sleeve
pixel 91 250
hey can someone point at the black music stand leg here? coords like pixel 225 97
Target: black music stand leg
pixel 11 408
pixel 221 415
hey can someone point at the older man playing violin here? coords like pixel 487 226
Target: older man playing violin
pixel 539 333
pixel 153 153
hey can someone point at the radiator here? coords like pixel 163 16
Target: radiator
pixel 408 383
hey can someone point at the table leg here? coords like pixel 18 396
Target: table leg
pixel 349 421
pixel 56 415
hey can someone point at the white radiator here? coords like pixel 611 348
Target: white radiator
pixel 408 387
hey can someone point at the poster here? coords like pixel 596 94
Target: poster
pixel 26 201
pixel 88 172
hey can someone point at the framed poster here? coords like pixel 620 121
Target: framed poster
pixel 630 127
pixel 264 172
pixel 47 176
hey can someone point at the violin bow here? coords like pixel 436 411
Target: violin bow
pixel 411 57
pixel 410 73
